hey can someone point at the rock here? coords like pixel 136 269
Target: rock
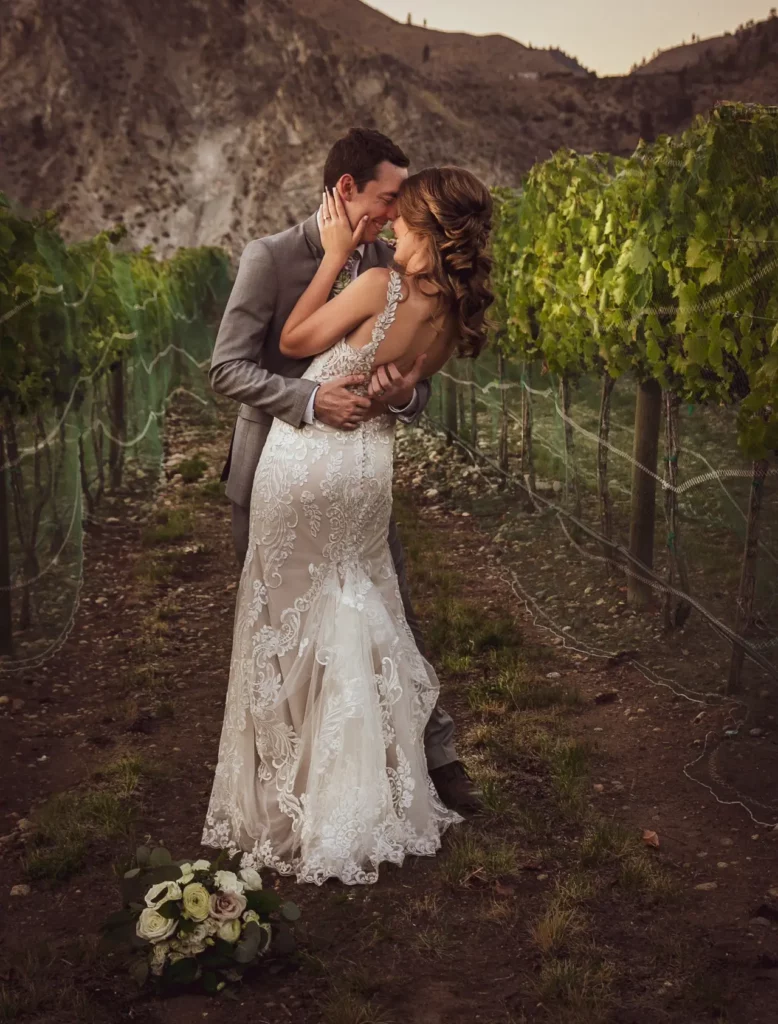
pixel 768 910
pixel 758 922
pixel 5 700
pixel 553 675
pixel 431 493
pixel 598 787
pixel 20 890
pixel 706 886
pixel 24 825
pixel 756 732
pixel 607 697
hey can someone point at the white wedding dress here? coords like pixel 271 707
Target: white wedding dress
pixel 321 769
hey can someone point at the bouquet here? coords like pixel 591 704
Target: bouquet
pixel 204 922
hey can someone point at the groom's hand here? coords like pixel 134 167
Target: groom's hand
pixel 338 407
pixel 390 387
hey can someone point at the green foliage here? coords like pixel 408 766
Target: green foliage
pixel 70 312
pixel 657 265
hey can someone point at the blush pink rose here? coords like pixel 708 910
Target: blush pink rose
pixel 226 906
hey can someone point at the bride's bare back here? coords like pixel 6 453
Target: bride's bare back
pixel 418 327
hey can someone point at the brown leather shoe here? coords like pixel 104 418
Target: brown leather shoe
pixel 456 789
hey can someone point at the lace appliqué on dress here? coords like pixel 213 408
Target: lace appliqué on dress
pixel 321 770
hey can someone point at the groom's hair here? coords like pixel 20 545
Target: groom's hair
pixel 359 153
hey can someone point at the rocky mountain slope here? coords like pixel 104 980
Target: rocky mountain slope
pixel 732 47
pixel 207 121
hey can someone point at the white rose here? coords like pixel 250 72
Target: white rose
pixel 193 943
pixel 228 881
pixel 153 927
pixel 230 930
pixel 159 956
pixel 252 878
pixel 201 865
pixel 187 874
pixel 161 892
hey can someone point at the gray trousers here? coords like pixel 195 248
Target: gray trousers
pixel 439 734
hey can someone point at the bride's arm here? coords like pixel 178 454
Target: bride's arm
pixel 315 324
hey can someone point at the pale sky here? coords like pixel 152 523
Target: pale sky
pixel 607 36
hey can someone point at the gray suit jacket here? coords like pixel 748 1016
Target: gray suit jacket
pixel 247 363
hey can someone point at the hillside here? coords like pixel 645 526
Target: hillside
pixel 451 55
pixel 746 42
pixel 207 121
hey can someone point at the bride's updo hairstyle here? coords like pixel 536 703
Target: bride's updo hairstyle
pixel 452 210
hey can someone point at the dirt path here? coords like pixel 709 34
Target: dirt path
pixel 550 908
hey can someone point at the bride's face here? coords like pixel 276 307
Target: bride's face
pixel 411 251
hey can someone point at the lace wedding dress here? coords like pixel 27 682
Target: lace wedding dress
pixel 321 769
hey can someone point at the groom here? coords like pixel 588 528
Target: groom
pixel 247 365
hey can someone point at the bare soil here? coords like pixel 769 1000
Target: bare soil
pixel 143 675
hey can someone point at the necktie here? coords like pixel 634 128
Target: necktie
pixel 347 274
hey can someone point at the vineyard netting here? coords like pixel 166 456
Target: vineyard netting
pixel 624 422
pixel 94 342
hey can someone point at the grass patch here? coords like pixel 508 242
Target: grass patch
pixel 211 489
pixel 70 824
pixel 38 986
pixel 456 664
pixel 605 841
pixel 152 571
pixel 569 763
pixel 171 526
pixel 582 987
pixel 553 932
pixel 470 856
pixel 639 872
pixel 345 1007
pixel 192 469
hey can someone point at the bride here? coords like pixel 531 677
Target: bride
pixel 321 769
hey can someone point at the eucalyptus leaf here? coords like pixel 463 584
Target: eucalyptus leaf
pixel 290 911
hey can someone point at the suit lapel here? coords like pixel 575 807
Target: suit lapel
pixel 313 238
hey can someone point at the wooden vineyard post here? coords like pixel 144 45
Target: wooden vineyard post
pixel 502 450
pixel 6 619
pixel 674 614
pixel 745 599
pixel 648 414
pixel 527 458
pixel 462 419
pixel 450 405
pixel 118 425
pixel 473 404
pixel 606 508
pixel 571 476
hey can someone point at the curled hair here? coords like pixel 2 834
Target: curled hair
pixel 452 210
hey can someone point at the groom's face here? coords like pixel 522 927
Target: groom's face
pixel 378 199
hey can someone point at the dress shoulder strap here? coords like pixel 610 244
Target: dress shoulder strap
pixel 385 319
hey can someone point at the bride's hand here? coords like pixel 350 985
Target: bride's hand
pixel 338 238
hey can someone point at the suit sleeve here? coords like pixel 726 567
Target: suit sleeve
pixel 234 369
